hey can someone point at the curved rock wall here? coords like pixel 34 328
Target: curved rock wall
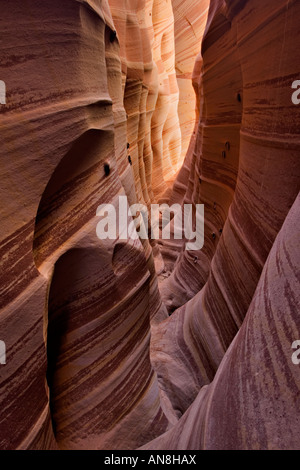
pixel 247 102
pixel 189 23
pixel 253 402
pixel 150 93
pixel 98 119
pixel 65 153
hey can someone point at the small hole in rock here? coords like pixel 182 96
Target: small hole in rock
pixel 106 169
pixel 113 36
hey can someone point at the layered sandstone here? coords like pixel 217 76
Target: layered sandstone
pixel 253 402
pixel 248 191
pixel 189 23
pixel 99 105
pixel 64 154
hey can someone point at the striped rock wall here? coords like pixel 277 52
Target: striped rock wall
pixel 190 19
pixel 75 311
pixel 150 92
pixel 248 191
pixel 253 402
pixel 92 361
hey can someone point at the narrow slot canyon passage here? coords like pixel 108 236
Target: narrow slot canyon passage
pixel 115 336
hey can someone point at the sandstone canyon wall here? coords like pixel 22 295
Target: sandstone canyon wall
pixel 189 23
pixel 64 154
pixel 93 112
pixel 247 147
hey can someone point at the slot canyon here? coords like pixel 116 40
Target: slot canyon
pixel 140 343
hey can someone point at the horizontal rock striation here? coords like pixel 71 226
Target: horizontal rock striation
pixel 98 104
pixel 264 147
pixel 65 153
pixel 253 402
pixel 189 24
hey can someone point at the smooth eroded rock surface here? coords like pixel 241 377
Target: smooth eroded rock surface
pixel 170 101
